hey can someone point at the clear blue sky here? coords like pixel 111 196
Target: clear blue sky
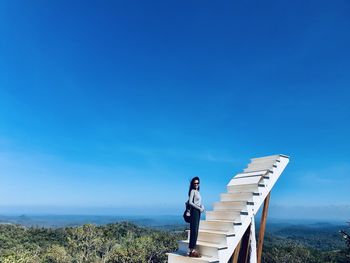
pixel 112 105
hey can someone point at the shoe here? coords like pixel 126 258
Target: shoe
pixel 194 254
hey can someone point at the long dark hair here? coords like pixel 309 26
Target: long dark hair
pixel 192 184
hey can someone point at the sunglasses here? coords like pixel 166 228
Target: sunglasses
pixel 195 183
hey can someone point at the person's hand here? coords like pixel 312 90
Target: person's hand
pixel 202 208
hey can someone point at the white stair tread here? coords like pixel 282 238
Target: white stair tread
pixel 206 244
pixel 216 232
pixel 273 157
pixel 233 203
pixel 225 221
pixel 245 180
pixel 254 169
pixel 227 233
pixel 239 195
pixel 200 259
pixel 242 195
pixel 262 172
pixel 228 209
pixel 222 208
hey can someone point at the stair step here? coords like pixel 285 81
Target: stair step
pixel 251 174
pixel 243 188
pixel 220 225
pixel 204 248
pixel 206 244
pixel 228 221
pixel 217 237
pixel 228 209
pixel 231 205
pixel 255 168
pixel 266 158
pixel 216 232
pixel 242 181
pixel 237 195
pixel 234 222
pixel 260 166
pixel 223 214
pixel 267 162
pixel 179 257
pixel 234 203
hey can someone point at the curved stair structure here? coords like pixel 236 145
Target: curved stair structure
pixel 220 234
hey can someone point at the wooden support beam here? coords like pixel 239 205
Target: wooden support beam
pixel 236 252
pixel 262 228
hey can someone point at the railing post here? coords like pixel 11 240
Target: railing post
pixel 262 228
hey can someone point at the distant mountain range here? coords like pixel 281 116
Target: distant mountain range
pixel 146 220
pixel 56 221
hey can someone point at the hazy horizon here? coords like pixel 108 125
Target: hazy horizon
pixel 321 213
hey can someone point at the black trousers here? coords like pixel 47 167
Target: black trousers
pixel 194 226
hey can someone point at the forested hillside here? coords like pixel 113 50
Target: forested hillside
pixel 128 243
pixel 120 242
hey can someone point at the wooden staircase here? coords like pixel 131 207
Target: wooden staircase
pixel 224 227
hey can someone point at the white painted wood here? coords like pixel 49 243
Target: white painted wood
pixel 245 180
pixel 253 169
pixel 178 257
pixel 204 248
pixel 223 215
pixel 262 172
pixel 261 165
pixel 266 161
pixel 234 197
pixel 237 197
pixel 217 237
pixel 243 189
pixel 258 167
pixel 266 158
pixel 265 191
pixel 219 225
pixel 253 254
pixel 224 205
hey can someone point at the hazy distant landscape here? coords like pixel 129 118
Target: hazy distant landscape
pixel 57 238
pixel 56 221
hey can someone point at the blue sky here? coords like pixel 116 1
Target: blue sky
pixel 115 105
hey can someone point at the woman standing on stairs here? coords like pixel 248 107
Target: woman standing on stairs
pixel 195 200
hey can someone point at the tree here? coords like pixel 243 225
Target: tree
pixel 21 256
pixel 84 242
pixel 145 249
pixel 346 237
pixel 57 254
